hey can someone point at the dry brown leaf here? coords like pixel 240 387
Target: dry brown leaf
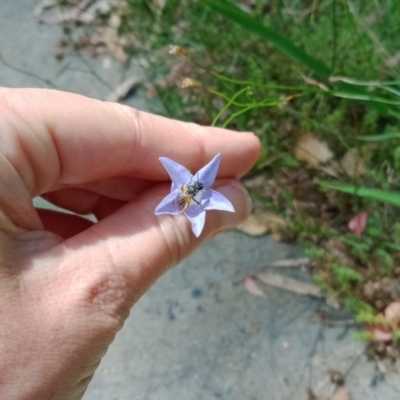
pixel 123 89
pixel 109 36
pixel 392 312
pixel 100 7
pixel 331 169
pixel 259 224
pixel 312 150
pixel 353 164
pixel 60 15
pixel 251 286
pixel 341 394
pixel 253 226
pixel 290 284
pixel 291 262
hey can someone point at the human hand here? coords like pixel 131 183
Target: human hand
pixel 67 285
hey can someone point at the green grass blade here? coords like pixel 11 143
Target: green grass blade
pixel 286 46
pixel 380 138
pixel 364 97
pixel 383 196
pixel 280 42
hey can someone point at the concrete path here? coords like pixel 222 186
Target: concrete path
pixel 198 334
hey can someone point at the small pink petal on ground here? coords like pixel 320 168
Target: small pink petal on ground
pixel 252 287
pixel 358 223
pixel 382 336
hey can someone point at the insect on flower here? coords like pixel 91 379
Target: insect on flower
pixel 192 195
pixel 189 193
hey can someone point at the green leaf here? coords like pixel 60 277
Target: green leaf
pixel 357 95
pixel 346 274
pixel 383 196
pixel 380 138
pixel 358 306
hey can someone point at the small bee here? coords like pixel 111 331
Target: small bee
pixel 188 193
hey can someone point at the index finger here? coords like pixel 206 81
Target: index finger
pixel 72 139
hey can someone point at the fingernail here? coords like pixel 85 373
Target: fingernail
pixel 239 197
pixel 249 202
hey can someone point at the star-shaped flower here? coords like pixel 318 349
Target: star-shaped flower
pixel 191 194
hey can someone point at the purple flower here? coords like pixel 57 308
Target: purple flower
pixel 191 194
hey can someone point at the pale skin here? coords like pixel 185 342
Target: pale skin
pixel 67 285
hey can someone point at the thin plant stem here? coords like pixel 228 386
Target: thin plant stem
pixel 230 102
pixel 227 98
pixel 244 110
pixel 262 86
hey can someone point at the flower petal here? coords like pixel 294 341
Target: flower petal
pixel 178 173
pixel 213 200
pixel 197 217
pixel 168 205
pixel 358 223
pixel 208 173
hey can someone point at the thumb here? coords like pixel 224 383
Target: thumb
pixel 133 247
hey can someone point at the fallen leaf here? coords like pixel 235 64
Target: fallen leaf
pixel 110 38
pixel 392 312
pixel 251 286
pixel 123 89
pixel 290 284
pixel 253 226
pixel 384 332
pixel 312 150
pixel 353 164
pixel 60 15
pixel 259 224
pixel 380 335
pixel 331 169
pixel 291 262
pixel 341 394
pixel 100 7
pixel 358 223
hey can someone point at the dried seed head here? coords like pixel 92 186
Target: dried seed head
pixel 178 51
pixel 189 82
